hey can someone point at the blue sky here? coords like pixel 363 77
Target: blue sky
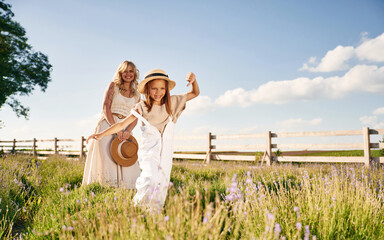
pixel 261 65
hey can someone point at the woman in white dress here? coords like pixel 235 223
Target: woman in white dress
pixel 120 97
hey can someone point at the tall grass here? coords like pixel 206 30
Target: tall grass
pixel 219 201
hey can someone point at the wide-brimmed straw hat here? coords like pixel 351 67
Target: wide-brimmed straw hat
pixel 155 74
pixel 124 153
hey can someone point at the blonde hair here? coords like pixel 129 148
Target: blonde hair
pixel 117 79
pixel 165 100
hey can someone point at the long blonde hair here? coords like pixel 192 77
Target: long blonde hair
pixel 165 100
pixel 117 79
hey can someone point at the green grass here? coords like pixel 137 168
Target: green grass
pixel 353 153
pixel 225 200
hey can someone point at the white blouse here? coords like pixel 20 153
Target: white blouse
pixel 123 105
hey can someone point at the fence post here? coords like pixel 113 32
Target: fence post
pixel 367 148
pixel 34 147
pixel 14 146
pixel 269 149
pixel 55 146
pixel 82 147
pixel 209 148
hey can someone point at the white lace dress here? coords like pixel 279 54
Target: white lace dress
pixel 99 166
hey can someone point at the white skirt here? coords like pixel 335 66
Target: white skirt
pixel 100 167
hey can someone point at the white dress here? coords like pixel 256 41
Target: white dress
pixel 99 166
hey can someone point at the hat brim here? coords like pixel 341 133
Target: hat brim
pixel 124 162
pixel 141 87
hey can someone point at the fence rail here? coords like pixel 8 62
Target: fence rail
pixel 34 150
pixel 223 152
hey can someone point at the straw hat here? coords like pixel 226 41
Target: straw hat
pixel 155 74
pixel 124 153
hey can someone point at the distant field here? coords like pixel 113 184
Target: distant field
pixel 341 153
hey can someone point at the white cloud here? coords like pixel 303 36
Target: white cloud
pixel 374 121
pixel 238 96
pixel 372 49
pixel 337 59
pixel 199 105
pixel 378 111
pixel 293 122
pixel 334 60
pixel 366 78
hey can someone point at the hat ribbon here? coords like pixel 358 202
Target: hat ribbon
pixel 156 74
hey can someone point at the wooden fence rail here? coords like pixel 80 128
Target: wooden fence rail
pixel 31 147
pixel 212 151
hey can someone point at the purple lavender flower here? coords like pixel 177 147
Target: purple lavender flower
pixel 277 229
pixel 307 232
pixel 230 197
pixel 299 226
pixel 61 189
pixel 166 218
pixel 205 220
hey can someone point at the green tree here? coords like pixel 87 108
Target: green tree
pixel 21 68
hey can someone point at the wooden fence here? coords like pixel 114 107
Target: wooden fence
pixel 221 151
pixel 60 146
pixel 211 151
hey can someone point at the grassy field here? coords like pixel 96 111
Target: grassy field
pixel 42 199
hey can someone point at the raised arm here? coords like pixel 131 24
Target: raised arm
pixel 195 91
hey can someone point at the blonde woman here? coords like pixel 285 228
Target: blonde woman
pixel 120 97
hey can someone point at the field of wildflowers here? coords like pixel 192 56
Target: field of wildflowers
pixel 42 199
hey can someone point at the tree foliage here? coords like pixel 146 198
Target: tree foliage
pixel 21 68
